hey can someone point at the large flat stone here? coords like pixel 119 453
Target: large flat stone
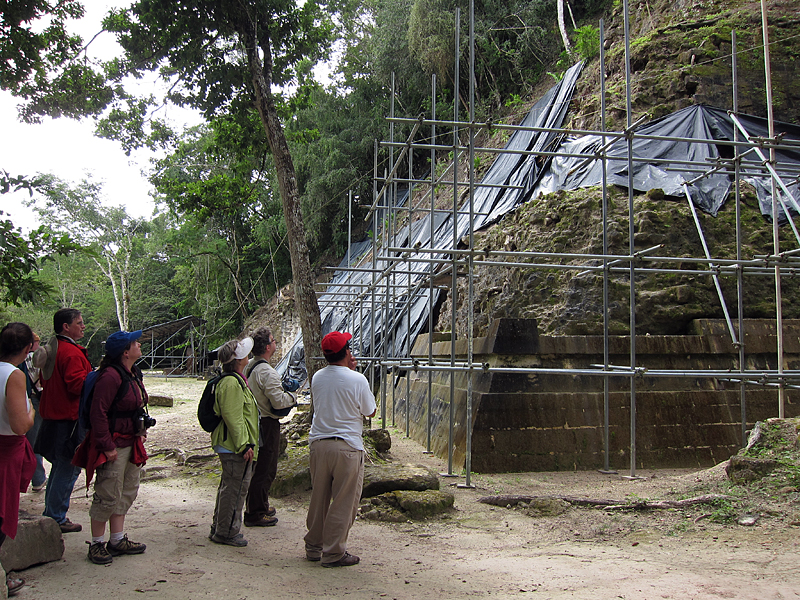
pixel 379 479
pixel 38 541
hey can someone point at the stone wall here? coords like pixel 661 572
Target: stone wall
pixel 545 420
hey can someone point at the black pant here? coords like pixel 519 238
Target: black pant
pixel 265 470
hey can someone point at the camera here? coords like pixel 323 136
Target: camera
pixel 143 421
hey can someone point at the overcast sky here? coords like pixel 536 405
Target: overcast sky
pixel 67 148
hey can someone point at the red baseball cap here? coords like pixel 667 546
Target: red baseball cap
pixel 335 341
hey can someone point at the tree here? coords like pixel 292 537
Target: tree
pixel 40 61
pixel 219 178
pixel 227 54
pixel 21 257
pixel 109 231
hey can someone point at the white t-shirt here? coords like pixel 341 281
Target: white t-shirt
pixel 5 372
pixel 341 398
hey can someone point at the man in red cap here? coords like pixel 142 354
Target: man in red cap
pixel 342 398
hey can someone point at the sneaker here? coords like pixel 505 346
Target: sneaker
pixel 14 584
pixel 40 487
pixel 98 553
pixel 348 560
pixel 125 546
pixel 69 527
pixel 237 540
pixel 263 521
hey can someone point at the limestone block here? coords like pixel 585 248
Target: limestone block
pixel 157 400
pixel 379 479
pixel 381 439
pixel 402 505
pixel 38 541
pixel 293 476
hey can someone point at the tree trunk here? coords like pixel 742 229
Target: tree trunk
pixel 307 306
pixel 562 27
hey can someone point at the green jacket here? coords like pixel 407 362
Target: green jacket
pixel 237 407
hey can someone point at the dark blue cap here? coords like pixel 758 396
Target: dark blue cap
pixel 117 342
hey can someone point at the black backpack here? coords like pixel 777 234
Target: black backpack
pixel 206 412
pixel 87 395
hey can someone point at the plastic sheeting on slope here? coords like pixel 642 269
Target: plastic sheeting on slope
pixel 667 163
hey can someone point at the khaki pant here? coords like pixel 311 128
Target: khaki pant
pixel 116 486
pixel 337 477
pixel 233 485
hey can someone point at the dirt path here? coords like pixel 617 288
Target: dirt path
pixel 477 551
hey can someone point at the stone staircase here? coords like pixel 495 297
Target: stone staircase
pixel 550 421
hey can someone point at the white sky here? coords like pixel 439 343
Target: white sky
pixel 67 148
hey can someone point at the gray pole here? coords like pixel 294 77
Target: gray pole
pixel 776 242
pixel 632 269
pixel 739 277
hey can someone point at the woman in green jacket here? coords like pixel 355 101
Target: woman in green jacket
pixel 235 440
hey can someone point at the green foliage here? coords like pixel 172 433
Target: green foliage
pixel 21 257
pixel 107 231
pixel 724 512
pixel 430 36
pixel 339 161
pixel 514 100
pixel 43 63
pixel 587 42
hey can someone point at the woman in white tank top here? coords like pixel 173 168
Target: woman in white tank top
pixel 17 460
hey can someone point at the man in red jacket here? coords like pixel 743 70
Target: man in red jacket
pixel 62 379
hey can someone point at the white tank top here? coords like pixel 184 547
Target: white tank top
pixel 5 372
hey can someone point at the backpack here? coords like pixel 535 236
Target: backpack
pixel 206 411
pixel 87 395
pixel 278 412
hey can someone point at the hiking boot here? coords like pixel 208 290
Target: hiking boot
pixel 125 546
pixel 98 553
pixel 348 560
pixel 69 527
pixel 262 521
pixel 271 511
pixel 236 540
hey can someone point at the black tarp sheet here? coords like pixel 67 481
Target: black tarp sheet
pixel 661 161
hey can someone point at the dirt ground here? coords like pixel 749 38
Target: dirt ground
pixel 478 550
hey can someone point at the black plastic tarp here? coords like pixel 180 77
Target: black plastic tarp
pixel 679 146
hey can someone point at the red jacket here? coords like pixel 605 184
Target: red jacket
pixel 61 394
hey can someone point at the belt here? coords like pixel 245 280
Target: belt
pixel 341 439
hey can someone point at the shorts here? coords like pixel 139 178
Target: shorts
pixel 116 486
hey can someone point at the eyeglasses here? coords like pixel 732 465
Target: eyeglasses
pixel 273 341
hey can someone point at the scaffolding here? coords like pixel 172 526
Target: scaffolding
pixel 176 348
pixel 386 292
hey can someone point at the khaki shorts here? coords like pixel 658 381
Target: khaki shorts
pixel 116 486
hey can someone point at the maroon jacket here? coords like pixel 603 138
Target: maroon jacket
pixel 105 391
pixel 61 394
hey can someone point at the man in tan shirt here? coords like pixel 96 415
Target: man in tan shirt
pixel 265 383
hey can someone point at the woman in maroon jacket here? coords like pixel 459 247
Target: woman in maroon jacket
pixel 118 428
